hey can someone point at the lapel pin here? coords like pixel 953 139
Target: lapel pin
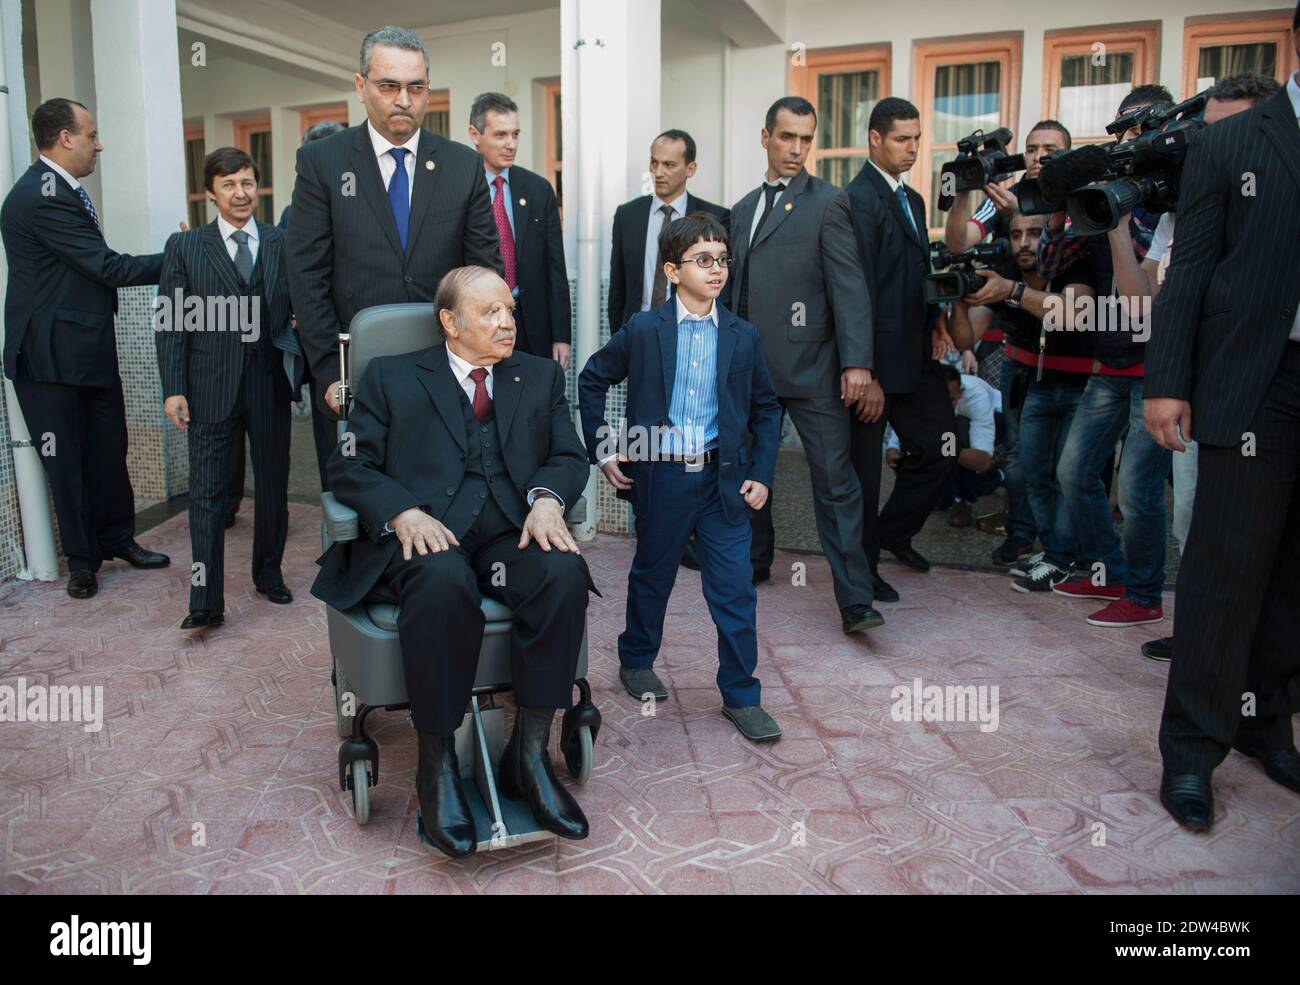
pixel 523 201
pixel 516 379
pixel 429 165
pixel 789 206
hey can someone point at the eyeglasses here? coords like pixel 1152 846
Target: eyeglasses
pixel 391 89
pixel 706 260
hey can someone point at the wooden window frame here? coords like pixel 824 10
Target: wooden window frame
pixel 875 57
pixel 195 131
pixel 1141 40
pixel 1238 30
pixel 554 162
pixel 244 128
pixel 308 118
pixel 439 102
pixel 929 55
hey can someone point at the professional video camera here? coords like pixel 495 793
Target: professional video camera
pixel 961 278
pixel 1141 172
pixel 981 158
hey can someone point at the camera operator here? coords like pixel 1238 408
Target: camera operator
pixel 1229 96
pixel 962 230
pixel 1051 363
pixel 1130 579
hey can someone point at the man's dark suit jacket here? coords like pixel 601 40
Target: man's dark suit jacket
pixel 805 287
pixel 644 353
pixel 206 367
pixel 627 259
pixel 410 447
pixel 1221 321
pixel 539 262
pixel 344 251
pixel 63 282
pixel 895 259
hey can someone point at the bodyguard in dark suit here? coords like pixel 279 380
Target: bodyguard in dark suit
pixel 527 221
pixel 890 225
pixel 1223 368
pixel 60 349
pixel 365 231
pixel 465 462
pixel 800 282
pixel 636 278
pixel 234 372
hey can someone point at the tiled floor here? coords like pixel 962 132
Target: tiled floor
pixel 216 771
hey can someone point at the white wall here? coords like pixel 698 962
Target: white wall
pixel 692 94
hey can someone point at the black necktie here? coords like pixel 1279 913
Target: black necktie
pixel 659 292
pixel 742 289
pixel 769 199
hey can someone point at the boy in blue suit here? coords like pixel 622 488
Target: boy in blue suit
pixel 696 384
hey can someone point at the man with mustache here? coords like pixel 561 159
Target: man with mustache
pixel 382 210
pixel 464 464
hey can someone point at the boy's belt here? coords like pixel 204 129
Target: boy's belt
pixel 1071 364
pixel 703 458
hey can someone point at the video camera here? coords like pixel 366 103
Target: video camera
pixel 961 277
pixel 981 158
pixel 1141 172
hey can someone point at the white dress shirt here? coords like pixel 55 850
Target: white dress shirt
pixel 61 173
pixel 890 180
pixel 232 247
pixel 652 230
pixel 762 198
pixel 387 163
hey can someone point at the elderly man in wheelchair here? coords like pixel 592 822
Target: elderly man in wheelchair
pixel 460 460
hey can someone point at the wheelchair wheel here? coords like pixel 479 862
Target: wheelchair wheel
pixel 578 754
pixel 359 782
pixel 343 723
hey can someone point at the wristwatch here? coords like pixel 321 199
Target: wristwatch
pixel 1017 293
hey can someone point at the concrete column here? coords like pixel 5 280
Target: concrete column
pixel 286 125
pixel 66 59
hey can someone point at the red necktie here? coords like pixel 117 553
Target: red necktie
pixel 503 232
pixel 482 402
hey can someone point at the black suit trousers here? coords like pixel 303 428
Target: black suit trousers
pixel 440 622
pixel 921 419
pixel 262 411
pixel 1239 591
pixel 81 434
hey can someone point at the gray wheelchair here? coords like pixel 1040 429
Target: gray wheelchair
pixel 368 674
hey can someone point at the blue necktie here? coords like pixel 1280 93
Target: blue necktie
pixel 399 197
pixel 85 201
pixel 907 207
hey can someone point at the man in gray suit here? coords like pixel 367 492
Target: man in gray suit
pixel 800 281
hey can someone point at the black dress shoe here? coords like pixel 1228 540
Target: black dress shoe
pixel 444 812
pixel 908 556
pixel 1161 649
pixel 1189 799
pixel 203 619
pixel 761 575
pixel 689 557
pixel 1280 765
pixel 859 617
pixel 525 773
pixel 882 590
pixel 137 557
pixel 278 593
pixel 82 584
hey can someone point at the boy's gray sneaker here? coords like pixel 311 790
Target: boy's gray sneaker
pixel 754 723
pixel 641 681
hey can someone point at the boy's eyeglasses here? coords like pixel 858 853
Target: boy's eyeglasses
pixel 706 260
pixel 391 89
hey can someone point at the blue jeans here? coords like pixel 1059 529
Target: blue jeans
pixel 1110 404
pixel 1019 520
pixel 1044 426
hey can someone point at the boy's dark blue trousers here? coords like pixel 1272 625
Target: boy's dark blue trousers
pixel 681 500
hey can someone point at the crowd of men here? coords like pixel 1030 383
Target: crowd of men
pixel 803 299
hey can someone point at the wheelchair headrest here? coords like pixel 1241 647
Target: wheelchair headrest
pixel 389 330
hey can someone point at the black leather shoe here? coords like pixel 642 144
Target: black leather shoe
pixel 278 593
pixel 761 575
pixel 689 558
pixel 859 617
pixel 526 774
pixel 444 812
pixel 137 557
pixel 1280 765
pixel 882 590
pixel 908 556
pixel 1161 649
pixel 203 619
pixel 1189 799
pixel 82 584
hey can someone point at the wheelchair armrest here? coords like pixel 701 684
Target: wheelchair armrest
pixel 341 522
pixel 577 512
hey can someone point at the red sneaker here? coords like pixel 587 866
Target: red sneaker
pixel 1124 612
pixel 1081 587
